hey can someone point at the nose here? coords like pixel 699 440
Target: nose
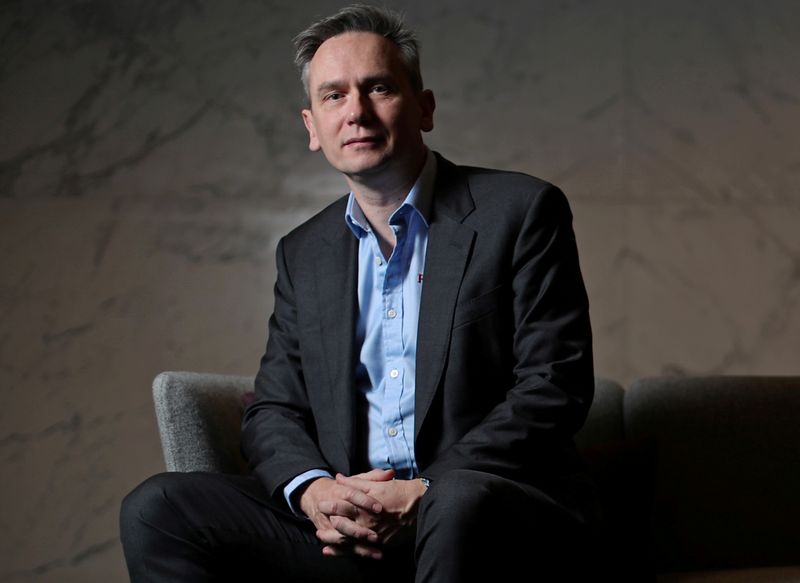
pixel 360 110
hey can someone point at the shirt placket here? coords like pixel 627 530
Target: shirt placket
pixel 392 323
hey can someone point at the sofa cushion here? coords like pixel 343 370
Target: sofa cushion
pixel 728 469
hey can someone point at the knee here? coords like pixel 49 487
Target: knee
pixel 459 525
pixel 456 499
pixel 148 503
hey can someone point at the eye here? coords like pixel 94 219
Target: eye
pixel 333 96
pixel 380 88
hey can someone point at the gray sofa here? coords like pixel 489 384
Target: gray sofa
pixel 698 478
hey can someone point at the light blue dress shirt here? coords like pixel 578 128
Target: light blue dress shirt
pixel 389 293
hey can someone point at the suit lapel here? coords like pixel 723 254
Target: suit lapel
pixel 447 255
pixel 337 296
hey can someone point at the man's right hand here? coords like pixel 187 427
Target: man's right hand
pixel 334 508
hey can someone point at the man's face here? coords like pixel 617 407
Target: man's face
pixel 364 115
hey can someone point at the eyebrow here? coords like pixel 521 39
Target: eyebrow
pixel 370 80
pixel 323 87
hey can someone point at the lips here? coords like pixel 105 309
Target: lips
pixel 363 140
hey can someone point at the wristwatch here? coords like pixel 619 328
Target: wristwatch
pixel 425 482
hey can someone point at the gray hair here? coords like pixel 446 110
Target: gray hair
pixel 360 18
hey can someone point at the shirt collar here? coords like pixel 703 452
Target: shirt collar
pixel 419 199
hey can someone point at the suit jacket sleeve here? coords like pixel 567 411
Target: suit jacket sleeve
pixel 278 430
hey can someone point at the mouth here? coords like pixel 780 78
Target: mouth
pixel 363 140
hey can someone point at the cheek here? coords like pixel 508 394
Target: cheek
pixel 328 130
pixel 407 121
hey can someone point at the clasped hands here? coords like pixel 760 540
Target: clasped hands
pixel 361 514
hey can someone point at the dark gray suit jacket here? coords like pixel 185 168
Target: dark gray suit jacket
pixel 504 361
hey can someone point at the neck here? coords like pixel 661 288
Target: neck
pixel 388 188
pixel 380 195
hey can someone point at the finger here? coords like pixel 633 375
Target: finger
pixel 360 498
pixel 333 551
pixel 358 549
pixel 353 530
pixel 354 482
pixel 368 551
pixel 366 519
pixel 376 475
pixel 321 521
pixel 338 508
pixel 331 536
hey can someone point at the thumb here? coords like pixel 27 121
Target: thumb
pixel 376 475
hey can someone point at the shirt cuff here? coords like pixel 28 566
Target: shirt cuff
pixel 290 488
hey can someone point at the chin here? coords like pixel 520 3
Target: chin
pixel 364 166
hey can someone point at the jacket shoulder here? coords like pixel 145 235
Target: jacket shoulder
pixel 512 190
pixel 324 224
pixel 484 181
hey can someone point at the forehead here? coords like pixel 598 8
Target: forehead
pixel 354 55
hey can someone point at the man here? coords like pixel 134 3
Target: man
pixel 429 359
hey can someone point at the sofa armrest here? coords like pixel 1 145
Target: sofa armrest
pixel 199 420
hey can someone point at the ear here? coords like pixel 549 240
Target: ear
pixel 427 104
pixel 308 120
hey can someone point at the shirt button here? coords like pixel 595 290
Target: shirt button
pixel 394 373
pixel 392 313
pixel 392 432
pixel 379 261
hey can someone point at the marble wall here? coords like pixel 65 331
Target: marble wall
pixel 151 154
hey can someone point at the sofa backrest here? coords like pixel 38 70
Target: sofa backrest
pixel 604 422
pixel 727 475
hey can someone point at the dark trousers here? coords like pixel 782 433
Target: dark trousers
pixel 471 526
